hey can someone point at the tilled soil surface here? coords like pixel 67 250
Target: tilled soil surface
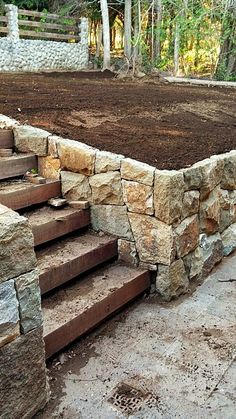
pixel 168 126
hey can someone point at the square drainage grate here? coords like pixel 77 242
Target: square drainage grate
pixel 129 400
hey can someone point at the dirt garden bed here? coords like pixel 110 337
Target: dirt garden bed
pixel 167 126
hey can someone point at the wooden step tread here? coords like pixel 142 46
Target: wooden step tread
pixel 17 165
pixel 6 138
pixel 66 259
pixel 17 194
pixel 75 310
pixel 50 223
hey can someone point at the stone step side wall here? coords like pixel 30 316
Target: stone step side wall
pixel 23 383
pixel 18 55
pixel 178 224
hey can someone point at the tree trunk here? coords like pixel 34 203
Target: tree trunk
pixel 127 27
pixel 157 40
pixel 176 49
pixel 106 35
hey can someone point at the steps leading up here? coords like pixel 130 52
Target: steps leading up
pixel 64 260
pixel 6 138
pixel 49 223
pixel 17 165
pixel 17 194
pixel 74 310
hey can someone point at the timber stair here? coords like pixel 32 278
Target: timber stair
pixel 81 281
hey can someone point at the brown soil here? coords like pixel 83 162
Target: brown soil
pixel 168 126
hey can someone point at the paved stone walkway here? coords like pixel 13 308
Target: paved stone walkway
pixel 172 360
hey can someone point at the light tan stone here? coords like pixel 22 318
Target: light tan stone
pixel 172 280
pixel 49 167
pixel 16 245
pixel 106 188
pixel 190 203
pixel 204 175
pixel 154 239
pixel 111 219
pixel 127 252
pixel 30 139
pixel 106 161
pixel 138 197
pixel 194 264
pixel 137 171
pixel 210 213
pixel 229 239
pixel 6 122
pixel 212 253
pixel 187 235
pixel 75 186
pixel 229 174
pixel 77 157
pixel 9 318
pixel 53 141
pixel 168 195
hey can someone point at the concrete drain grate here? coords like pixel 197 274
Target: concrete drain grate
pixel 129 400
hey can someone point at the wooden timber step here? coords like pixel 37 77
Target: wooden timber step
pixel 17 194
pixel 74 310
pixel 17 165
pixel 6 138
pixel 66 259
pixel 50 223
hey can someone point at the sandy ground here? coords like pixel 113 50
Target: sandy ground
pixel 155 360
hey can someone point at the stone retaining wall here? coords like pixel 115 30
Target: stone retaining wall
pixel 23 384
pixel 178 224
pixel 19 55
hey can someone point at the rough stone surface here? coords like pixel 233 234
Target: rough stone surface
pixel 29 297
pixel 168 195
pixel 16 245
pixel 154 239
pixel 137 171
pixel 212 253
pixel 7 123
pixel 229 239
pixel 210 213
pixel 29 139
pixel 77 157
pixel 106 161
pixel 111 219
pixel 194 263
pixel 23 384
pixel 52 145
pixel 138 197
pixel 172 280
pixel 187 235
pixel 49 167
pixel 9 318
pixel 75 186
pixel 229 174
pixel 204 175
pixel 127 252
pixel 190 203
pixel 106 188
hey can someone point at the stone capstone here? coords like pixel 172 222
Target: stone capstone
pixel 6 122
pixel 53 141
pixel 137 171
pixel 168 195
pixel 76 157
pixel 75 186
pixel 210 213
pixel 154 239
pixel 127 252
pixel 31 140
pixel 9 318
pixel 29 297
pixel 111 219
pixel 23 382
pixel 49 167
pixel 229 174
pixel 106 161
pixel 16 245
pixel 138 197
pixel 172 280
pixel 229 239
pixel 187 235
pixel 106 188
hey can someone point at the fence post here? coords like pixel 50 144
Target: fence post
pixel 12 22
